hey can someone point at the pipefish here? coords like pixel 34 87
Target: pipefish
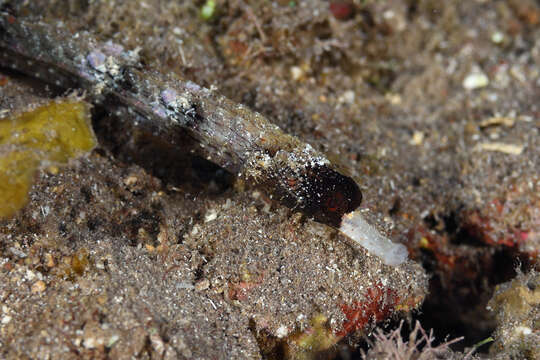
pixel 234 137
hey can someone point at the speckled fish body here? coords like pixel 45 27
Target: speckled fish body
pixel 234 137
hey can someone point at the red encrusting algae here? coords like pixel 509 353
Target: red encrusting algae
pixel 377 306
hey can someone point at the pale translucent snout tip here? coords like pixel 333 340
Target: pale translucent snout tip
pixel 358 229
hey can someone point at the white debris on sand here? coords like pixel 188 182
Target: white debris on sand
pixel 512 149
pixel 475 80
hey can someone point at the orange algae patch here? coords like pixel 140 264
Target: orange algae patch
pixel 50 134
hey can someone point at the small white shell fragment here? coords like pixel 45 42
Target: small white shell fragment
pixel 500 147
pixel 347 97
pixel 497 37
pixel 282 331
pixel 357 228
pixel 211 215
pixel 475 80
pixel 417 138
pixel 296 72
pixel 5 319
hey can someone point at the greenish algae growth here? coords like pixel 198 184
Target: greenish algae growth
pixel 51 134
pixel 312 342
pixel 208 10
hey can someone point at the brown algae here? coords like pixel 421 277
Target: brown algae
pixel 50 134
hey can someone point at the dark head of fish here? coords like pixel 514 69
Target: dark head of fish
pixel 323 194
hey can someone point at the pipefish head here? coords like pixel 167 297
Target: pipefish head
pixel 328 195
